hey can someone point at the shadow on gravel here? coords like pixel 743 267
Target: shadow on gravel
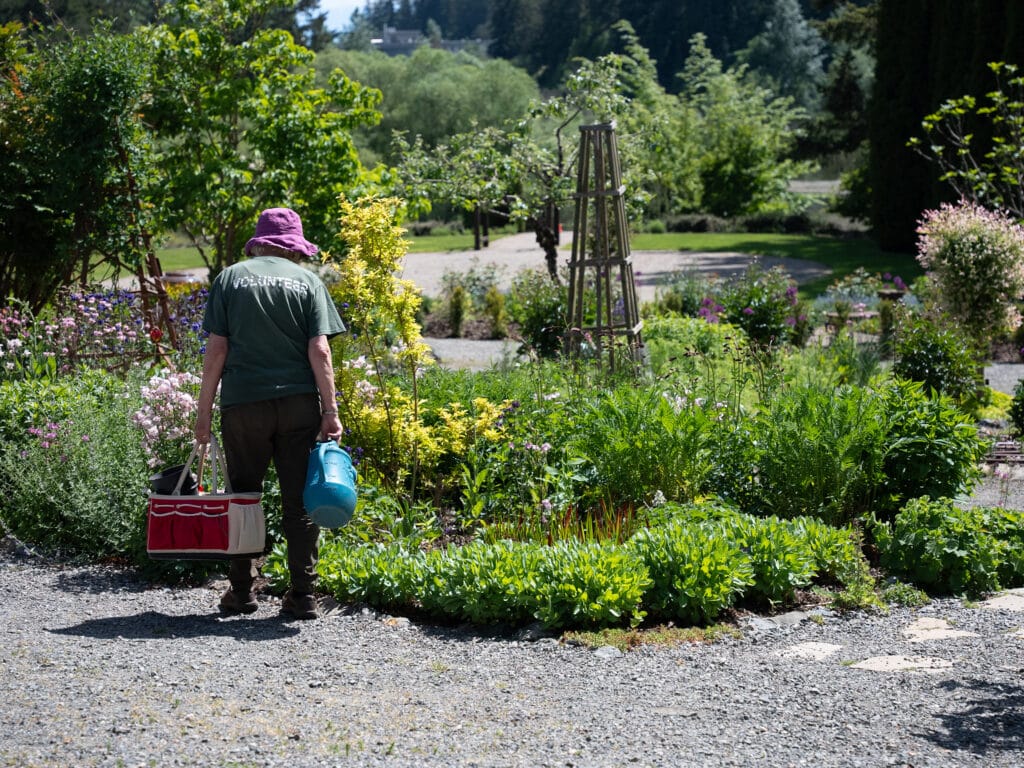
pixel 153 625
pixel 97 580
pixel 991 718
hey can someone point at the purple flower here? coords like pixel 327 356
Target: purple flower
pixel 748 310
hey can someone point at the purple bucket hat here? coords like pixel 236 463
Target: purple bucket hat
pixel 281 228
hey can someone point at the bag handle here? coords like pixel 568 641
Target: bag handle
pixel 197 450
pixel 218 466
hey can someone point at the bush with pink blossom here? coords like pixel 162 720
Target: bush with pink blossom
pixel 167 416
pixel 976 258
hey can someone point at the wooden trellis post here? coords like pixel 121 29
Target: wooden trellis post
pixel 603 317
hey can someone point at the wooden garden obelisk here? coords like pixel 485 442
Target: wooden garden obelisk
pixel 604 321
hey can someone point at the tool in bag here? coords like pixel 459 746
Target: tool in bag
pixel 329 495
pixel 215 524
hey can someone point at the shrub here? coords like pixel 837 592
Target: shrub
pixel 494 309
pixel 931 448
pixel 1007 525
pixel 694 576
pixel 387 577
pixel 638 443
pixel 683 295
pixel 458 308
pixel 688 344
pixel 383 343
pixel 698 222
pixel 476 281
pixel 480 583
pixel 697 561
pixel 940 547
pixel 813 450
pixel 75 480
pixel 977 259
pixel 1017 408
pixel 539 307
pixel 566 584
pixel 589 585
pixel 435 227
pixel 940 356
pixel 764 304
pixel 781 222
pixel 73 476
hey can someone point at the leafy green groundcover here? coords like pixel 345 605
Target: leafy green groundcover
pixel 703 560
pixel 948 549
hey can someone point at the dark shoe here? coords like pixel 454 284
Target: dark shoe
pixel 300 605
pixel 237 602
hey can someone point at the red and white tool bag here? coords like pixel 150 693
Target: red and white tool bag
pixel 209 525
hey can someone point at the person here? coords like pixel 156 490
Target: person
pixel 269 322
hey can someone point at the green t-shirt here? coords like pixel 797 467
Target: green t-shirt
pixel 269 309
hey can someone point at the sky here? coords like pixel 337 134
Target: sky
pixel 339 11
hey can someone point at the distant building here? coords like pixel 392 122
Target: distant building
pixel 398 42
pixel 402 42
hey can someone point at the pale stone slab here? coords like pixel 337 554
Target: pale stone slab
pixel 814 651
pixel 904 664
pixel 1010 600
pixel 929 628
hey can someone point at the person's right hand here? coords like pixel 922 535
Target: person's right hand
pixel 330 426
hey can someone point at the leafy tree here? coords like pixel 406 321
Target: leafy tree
pixel 745 134
pixel 787 54
pixel 992 177
pixel 79 15
pixel 433 93
pixel 242 126
pixel 74 160
pixel 849 31
pixel 515 24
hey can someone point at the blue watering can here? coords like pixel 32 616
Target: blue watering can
pixel 330 492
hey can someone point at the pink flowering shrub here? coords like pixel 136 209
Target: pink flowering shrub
pixel 976 258
pixel 167 417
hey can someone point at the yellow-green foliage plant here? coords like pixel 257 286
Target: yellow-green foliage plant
pixel 382 355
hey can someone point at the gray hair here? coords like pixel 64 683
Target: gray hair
pixel 273 250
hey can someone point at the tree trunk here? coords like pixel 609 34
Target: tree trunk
pixel 547 239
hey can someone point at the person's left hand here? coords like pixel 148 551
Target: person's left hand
pixel 203 427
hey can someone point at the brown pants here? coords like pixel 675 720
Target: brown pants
pixel 283 430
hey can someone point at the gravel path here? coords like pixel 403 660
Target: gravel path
pixel 100 669
pixel 652 270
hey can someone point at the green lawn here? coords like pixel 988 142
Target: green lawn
pixel 186 257
pixel 444 243
pixel 842 255
pixel 181 257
